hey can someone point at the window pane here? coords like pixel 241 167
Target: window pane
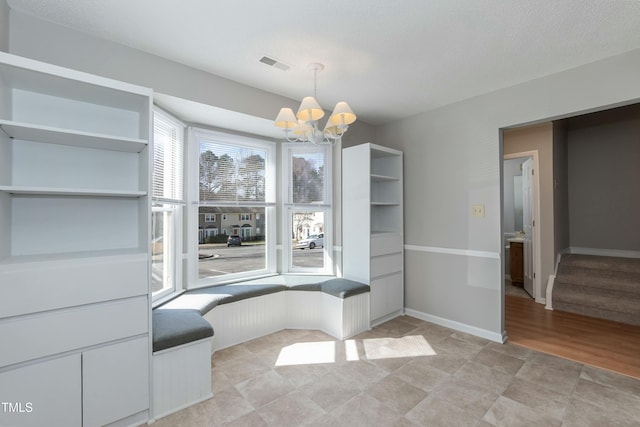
pixel 231 173
pixel 233 242
pixel 307 239
pixel 161 250
pixel 307 169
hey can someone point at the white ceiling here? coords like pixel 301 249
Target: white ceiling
pixel 388 58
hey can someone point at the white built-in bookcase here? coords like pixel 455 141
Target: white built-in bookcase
pixel 372 225
pixel 74 245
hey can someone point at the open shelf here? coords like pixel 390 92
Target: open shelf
pixel 372 203
pixel 51 191
pixel 75 213
pixel 28 74
pixel 52 135
pixel 383 178
pixel 127 253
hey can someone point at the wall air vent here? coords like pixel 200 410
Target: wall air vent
pixel 275 63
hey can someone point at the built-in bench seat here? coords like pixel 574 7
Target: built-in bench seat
pixel 172 328
pixel 184 336
pixel 206 299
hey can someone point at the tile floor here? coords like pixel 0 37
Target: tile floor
pixel 405 372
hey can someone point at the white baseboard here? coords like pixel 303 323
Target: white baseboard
pixel 604 252
pixel 386 318
pixel 462 327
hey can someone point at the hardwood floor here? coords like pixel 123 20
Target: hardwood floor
pixel 596 342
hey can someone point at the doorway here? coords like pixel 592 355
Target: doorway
pixel 521 213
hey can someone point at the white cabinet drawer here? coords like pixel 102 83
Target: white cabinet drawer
pixel 115 381
pixel 385 243
pixel 385 264
pixel 48 285
pixel 47 394
pixel 44 334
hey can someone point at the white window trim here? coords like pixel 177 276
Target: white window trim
pixel 193 158
pixel 174 264
pixel 177 209
pixel 288 207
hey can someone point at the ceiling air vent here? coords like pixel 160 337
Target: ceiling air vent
pixel 274 63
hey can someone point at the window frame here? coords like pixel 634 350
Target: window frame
pixel 289 207
pixel 172 240
pixel 172 244
pixel 196 135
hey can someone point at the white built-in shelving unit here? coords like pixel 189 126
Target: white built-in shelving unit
pixel 74 246
pixel 372 224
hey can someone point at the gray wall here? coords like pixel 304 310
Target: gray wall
pixel 560 186
pixel 4 26
pixel 604 177
pixel 453 157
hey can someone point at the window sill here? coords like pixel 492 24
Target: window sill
pixel 165 298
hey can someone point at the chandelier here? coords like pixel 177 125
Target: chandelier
pixel 304 127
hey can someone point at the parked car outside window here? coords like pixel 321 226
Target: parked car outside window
pixel 234 241
pixel 311 242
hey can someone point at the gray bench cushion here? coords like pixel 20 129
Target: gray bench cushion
pixel 338 287
pixel 180 320
pixel 343 288
pixel 174 327
pixel 205 299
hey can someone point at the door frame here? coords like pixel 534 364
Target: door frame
pixel 537 252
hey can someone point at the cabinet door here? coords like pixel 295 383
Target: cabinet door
pixel 378 298
pixel 395 294
pixel 516 267
pixel 43 394
pixel 387 295
pixel 115 381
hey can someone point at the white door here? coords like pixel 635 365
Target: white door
pixel 528 223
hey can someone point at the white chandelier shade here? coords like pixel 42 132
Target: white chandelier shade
pixel 304 124
pixel 310 110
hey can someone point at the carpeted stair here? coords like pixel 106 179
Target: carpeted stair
pixel 596 286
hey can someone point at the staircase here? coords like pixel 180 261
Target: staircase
pixel 596 286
